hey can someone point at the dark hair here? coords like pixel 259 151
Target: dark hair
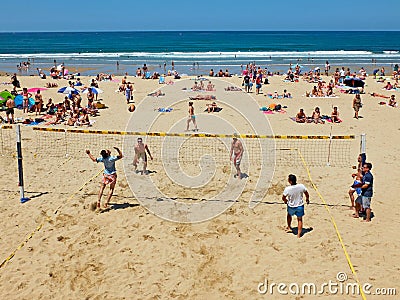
pixel 292 179
pixel 104 153
pixel 369 165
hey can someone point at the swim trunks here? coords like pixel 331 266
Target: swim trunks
pixel 10 111
pixel 109 179
pixel 142 156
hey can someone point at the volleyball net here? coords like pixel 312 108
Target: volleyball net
pixel 281 150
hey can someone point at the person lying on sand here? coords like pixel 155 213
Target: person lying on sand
pixel 233 88
pixel 212 107
pixel 203 97
pixel 156 94
pixel 379 95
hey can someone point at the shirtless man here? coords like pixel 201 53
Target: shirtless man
pixel 335 115
pixel 236 154
pixel 10 110
pixel 301 116
pixel 140 153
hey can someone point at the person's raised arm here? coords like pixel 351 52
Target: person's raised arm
pixel 91 156
pixel 119 153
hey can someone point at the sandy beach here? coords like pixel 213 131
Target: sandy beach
pixel 56 247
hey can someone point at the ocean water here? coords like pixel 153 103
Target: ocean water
pixel 196 53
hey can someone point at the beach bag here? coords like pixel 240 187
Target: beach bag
pixel 100 105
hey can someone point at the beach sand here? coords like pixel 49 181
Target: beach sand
pixel 65 250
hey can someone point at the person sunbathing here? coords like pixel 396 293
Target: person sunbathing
pixel 379 95
pixel 156 94
pixel 392 101
pixel 203 97
pixel 388 86
pixel 196 87
pixel 210 87
pixel 286 94
pixel 212 107
pixel 316 116
pixel 74 117
pixel 51 85
pixel 275 95
pixel 335 115
pixel 233 88
pixel 301 116
pixel 314 92
pixel 84 119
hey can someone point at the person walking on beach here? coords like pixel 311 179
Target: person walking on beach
pixel 293 197
pixel 357 104
pixel 236 155
pixel 246 83
pixel 10 110
pixel 140 153
pixel 192 117
pixel 366 185
pixel 109 174
pixel 128 92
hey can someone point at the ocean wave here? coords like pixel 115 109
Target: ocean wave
pixel 201 55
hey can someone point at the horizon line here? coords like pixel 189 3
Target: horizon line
pixel 106 31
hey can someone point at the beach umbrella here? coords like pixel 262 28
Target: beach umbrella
pixel 19 100
pixel 6 94
pixel 34 90
pixel 2 100
pixel 67 90
pixel 354 82
pixel 94 90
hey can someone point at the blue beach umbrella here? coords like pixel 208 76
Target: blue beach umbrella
pixel 94 90
pixel 19 100
pixel 67 90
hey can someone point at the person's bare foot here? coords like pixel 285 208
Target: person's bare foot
pixel 288 229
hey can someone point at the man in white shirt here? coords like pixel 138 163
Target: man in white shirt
pixel 293 197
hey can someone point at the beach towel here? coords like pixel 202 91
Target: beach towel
pixel 217 109
pixel 163 109
pixel 323 97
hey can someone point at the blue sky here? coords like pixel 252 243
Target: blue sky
pixel 102 15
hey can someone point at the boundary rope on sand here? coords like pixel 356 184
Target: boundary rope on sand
pixel 334 225
pixel 46 219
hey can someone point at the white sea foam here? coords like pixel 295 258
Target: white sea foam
pixel 204 55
